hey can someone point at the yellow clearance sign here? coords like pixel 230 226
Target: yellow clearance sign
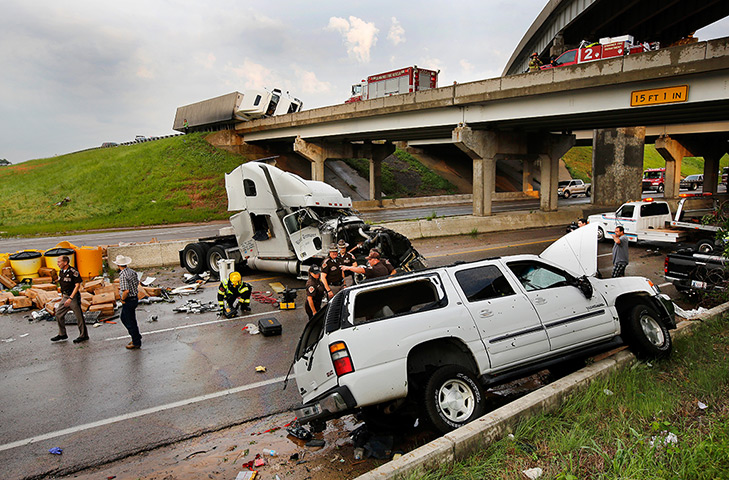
pixel 658 96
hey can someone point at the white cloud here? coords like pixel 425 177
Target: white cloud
pixel 397 33
pixel 466 65
pixel 359 36
pixel 144 72
pixel 207 61
pixel 254 75
pixel 308 83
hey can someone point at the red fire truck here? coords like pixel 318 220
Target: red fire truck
pixel 608 47
pixel 404 80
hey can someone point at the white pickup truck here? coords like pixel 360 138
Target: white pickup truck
pixel 430 342
pixel 651 221
pixel 568 188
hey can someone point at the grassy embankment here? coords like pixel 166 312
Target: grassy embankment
pixel 178 179
pixel 579 162
pixel 618 428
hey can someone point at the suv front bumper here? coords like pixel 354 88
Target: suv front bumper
pixel 335 403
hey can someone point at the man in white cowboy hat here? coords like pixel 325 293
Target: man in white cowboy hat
pixel 128 290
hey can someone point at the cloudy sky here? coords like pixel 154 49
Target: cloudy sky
pixel 77 73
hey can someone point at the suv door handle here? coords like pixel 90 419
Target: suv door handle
pixel 540 301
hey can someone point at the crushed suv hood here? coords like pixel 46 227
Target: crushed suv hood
pixel 576 251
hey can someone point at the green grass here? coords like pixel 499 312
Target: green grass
pixel 178 179
pixel 578 161
pixel 598 435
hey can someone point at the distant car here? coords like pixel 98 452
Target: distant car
pixel 724 175
pixel 692 182
pixel 109 144
pixel 573 187
pixel 654 179
pixel 140 138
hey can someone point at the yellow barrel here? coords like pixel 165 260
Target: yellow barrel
pixel 88 261
pixel 50 257
pixel 4 260
pixel 26 264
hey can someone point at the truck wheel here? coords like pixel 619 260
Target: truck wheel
pixel 647 335
pixel 588 192
pixel 705 246
pixel 660 188
pixel 195 257
pixel 600 234
pixel 694 186
pixel 214 254
pixel 566 194
pixel 453 397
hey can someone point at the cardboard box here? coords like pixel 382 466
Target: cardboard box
pixel 48 272
pixel 102 298
pixel 106 309
pixel 22 302
pixel 6 297
pixel 93 285
pixel 38 280
pixel 86 296
pixel 51 306
pixel 85 305
pixel 7 281
pixel 109 289
pixel 48 287
pixel 153 291
pixel 7 271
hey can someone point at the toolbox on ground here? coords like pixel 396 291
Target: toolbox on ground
pixel 269 327
pixel 288 300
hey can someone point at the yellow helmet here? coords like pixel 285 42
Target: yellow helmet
pixel 235 277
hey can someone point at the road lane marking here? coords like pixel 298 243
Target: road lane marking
pixel 201 324
pixel 494 248
pixel 146 411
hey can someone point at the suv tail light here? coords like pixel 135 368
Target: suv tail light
pixel 341 359
pixel 665 266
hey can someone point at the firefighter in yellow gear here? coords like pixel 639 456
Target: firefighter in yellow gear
pixel 233 295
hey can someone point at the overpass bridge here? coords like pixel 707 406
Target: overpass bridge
pixel 530 119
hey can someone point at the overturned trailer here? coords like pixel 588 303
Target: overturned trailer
pixel 285 224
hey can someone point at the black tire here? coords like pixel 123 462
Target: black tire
pixel 600 234
pixel 588 192
pixel 705 246
pixel 195 256
pixel 566 194
pixel 214 254
pixel 660 188
pixel 694 186
pixel 453 397
pixel 646 334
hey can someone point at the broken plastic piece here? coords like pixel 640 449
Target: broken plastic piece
pixel 56 451
pixel 608 392
pixel 315 443
pixel 703 406
pixel 261 369
pixel 532 473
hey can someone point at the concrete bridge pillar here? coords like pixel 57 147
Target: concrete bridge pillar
pixel 550 148
pixel 673 152
pixel 617 165
pixel 480 146
pixel 318 152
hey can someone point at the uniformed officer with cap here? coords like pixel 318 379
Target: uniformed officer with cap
pixel 346 259
pixel 332 276
pixel 314 291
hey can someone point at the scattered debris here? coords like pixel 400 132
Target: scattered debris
pixel 153 318
pixel 149 281
pixel 261 369
pixel 315 443
pixel 532 473
pixel 201 277
pixel 669 439
pixel 196 306
pixel 297 431
pixel 358 453
pixel 701 405
pixel 246 475
pixel 608 392
pixel 187 290
pixel 251 329
pixel 56 451
pixel 689 314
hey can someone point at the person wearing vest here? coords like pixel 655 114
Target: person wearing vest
pixel 233 295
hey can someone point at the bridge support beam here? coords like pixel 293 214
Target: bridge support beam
pixel 486 147
pixel 318 152
pixel 673 152
pixel 617 165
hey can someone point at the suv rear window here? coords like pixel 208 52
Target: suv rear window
pixel 483 283
pixel 391 300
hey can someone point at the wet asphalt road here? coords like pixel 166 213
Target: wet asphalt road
pixel 194 373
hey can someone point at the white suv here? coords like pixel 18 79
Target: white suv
pixel 441 336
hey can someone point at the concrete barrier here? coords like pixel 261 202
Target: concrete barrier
pixel 495 425
pixel 149 254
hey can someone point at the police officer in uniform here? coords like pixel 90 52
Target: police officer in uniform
pixel 375 268
pixel 70 282
pixel 346 259
pixel 234 294
pixel 314 291
pixel 332 276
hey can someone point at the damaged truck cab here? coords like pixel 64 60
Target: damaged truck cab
pixel 285 224
pixel 433 340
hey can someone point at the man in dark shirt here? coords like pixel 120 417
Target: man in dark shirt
pixel 347 259
pixel 375 266
pixel 620 252
pixel 70 282
pixel 332 276
pixel 314 291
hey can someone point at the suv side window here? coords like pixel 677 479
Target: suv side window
pixel 391 300
pixel 483 283
pixel 538 276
